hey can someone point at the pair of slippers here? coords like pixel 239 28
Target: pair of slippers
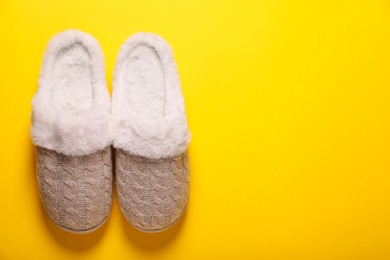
pixel 75 124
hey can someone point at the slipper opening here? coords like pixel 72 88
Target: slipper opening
pixel 143 78
pixel 71 79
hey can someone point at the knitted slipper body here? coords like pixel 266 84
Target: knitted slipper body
pixel 70 128
pixel 151 135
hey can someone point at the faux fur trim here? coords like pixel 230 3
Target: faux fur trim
pixel 57 129
pixel 165 136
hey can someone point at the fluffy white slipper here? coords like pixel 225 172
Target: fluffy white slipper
pixel 151 135
pixel 71 129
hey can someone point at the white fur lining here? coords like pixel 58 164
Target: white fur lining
pixel 71 108
pixel 152 133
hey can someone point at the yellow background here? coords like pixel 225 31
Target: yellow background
pixel 289 107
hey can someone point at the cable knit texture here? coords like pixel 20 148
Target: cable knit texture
pixel 153 193
pixel 76 191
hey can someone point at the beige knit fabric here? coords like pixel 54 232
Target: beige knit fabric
pixel 153 193
pixel 76 191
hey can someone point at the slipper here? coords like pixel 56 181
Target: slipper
pixel 151 135
pixel 71 131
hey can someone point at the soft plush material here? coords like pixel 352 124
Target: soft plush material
pixel 71 109
pixel 70 128
pixel 148 113
pixel 151 135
